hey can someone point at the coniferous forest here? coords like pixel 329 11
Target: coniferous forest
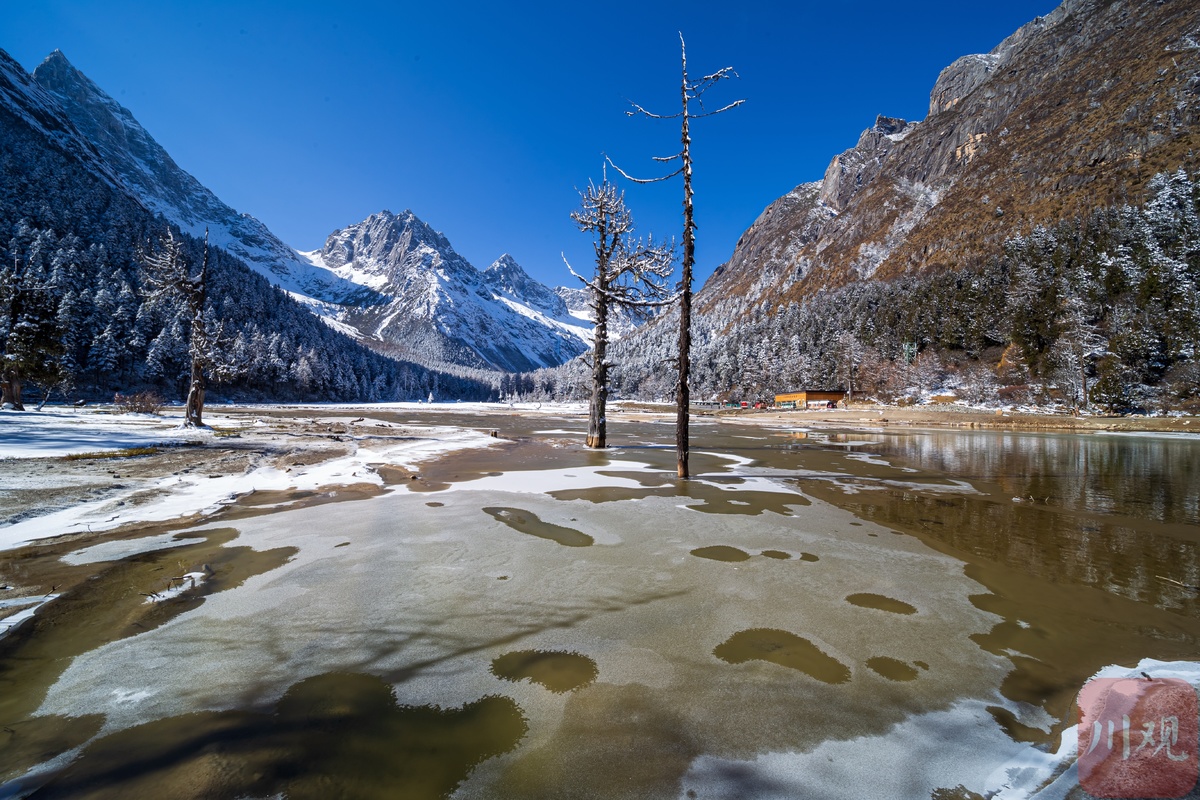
pixel 1101 312
pixel 76 316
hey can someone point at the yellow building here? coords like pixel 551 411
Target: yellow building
pixel 808 399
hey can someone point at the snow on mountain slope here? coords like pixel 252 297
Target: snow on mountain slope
pixel 433 306
pixel 148 171
pixel 621 321
pixel 390 281
pixel 21 95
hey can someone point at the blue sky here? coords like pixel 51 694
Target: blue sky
pixel 483 118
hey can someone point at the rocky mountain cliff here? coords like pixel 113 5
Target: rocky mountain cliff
pixel 1074 111
pixel 430 304
pixel 150 174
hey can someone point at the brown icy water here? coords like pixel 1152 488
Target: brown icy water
pixel 821 613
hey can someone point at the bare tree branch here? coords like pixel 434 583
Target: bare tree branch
pixel 638 110
pixel 734 104
pixel 632 179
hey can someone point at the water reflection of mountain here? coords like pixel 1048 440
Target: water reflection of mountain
pixel 1072 538
pixel 1153 478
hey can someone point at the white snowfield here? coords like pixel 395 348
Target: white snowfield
pixel 59 433
pixel 63 432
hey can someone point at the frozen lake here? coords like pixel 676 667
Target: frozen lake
pixel 855 614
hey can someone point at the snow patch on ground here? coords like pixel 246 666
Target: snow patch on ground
pixel 64 432
pixel 555 480
pixel 115 551
pixel 9 623
pixel 961 746
pixel 57 434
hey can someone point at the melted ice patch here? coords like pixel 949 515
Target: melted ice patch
pixel 556 480
pixel 115 551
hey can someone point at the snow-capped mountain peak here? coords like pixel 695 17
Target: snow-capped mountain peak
pixel 391 279
pixel 435 307
pixel 506 278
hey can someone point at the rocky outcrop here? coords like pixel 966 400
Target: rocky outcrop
pixel 858 166
pixel 1076 109
pixel 960 79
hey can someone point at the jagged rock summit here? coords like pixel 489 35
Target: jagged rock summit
pixel 1074 111
pixel 431 305
pixel 509 281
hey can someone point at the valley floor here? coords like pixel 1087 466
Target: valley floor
pixel 76 472
pixel 828 608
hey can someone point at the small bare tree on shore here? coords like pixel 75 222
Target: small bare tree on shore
pixel 171 279
pixel 691 91
pixel 630 273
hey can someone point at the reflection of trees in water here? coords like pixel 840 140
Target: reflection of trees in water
pixel 1153 478
pixel 1047 542
pixel 1076 589
pixel 331 735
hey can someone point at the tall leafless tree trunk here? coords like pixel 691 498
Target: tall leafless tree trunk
pixel 629 273
pixel 690 90
pixel 597 435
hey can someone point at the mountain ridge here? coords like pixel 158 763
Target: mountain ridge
pixel 361 279
pixel 1037 130
pixel 153 176
pixel 79 318
pixel 433 305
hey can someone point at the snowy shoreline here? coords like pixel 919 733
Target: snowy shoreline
pixel 47 437
pixel 319 447
pixel 169 493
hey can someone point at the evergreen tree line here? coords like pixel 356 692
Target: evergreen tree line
pixel 1099 312
pixel 75 313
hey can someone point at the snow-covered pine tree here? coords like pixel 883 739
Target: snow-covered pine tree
pixel 28 330
pixel 170 278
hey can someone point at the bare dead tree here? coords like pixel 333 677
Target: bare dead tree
pixel 691 91
pixel 630 273
pixel 170 278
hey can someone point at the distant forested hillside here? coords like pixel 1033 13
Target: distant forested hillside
pixel 1102 311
